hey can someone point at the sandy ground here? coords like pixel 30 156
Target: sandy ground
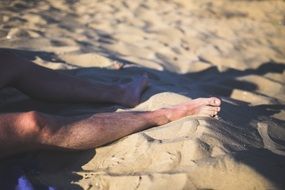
pixel 231 49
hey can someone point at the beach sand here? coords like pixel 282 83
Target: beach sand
pixel 234 50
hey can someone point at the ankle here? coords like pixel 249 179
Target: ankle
pixel 161 116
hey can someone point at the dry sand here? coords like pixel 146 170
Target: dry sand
pixel 231 49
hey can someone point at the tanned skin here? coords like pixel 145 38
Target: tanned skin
pixel 26 131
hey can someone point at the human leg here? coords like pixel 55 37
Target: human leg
pixel 32 130
pixel 43 83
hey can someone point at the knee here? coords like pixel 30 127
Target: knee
pixel 28 125
pixel 26 122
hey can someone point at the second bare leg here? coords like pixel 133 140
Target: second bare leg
pixel 43 83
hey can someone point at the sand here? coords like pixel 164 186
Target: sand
pixel 231 49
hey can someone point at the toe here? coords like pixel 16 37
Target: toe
pixel 213 101
pixel 209 111
pixel 218 109
pixel 210 108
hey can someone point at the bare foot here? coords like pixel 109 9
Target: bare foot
pixel 132 91
pixel 199 107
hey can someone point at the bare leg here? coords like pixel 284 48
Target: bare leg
pixel 32 130
pixel 51 85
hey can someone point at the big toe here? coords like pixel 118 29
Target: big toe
pixel 213 101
